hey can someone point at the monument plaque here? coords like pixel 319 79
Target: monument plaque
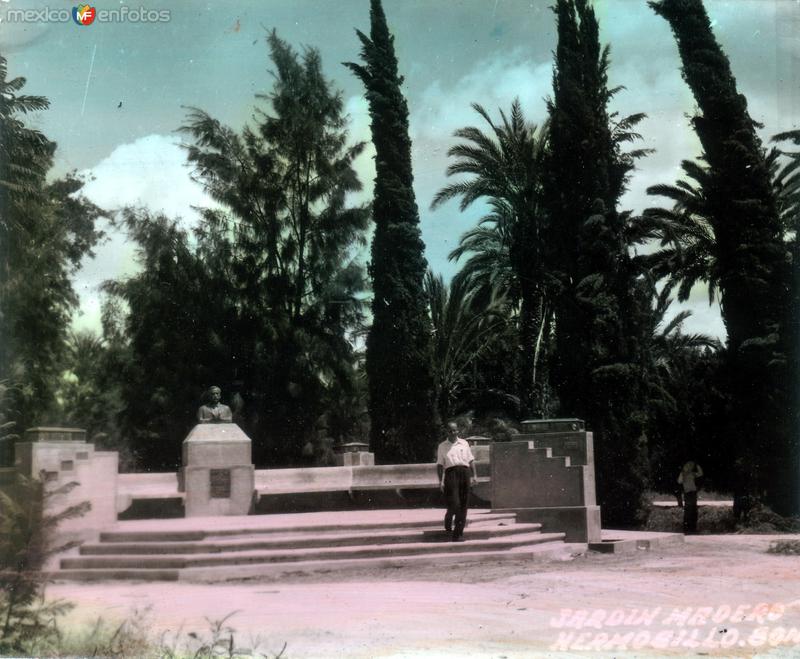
pixel 220 483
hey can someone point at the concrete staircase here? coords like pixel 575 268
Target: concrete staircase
pixel 215 549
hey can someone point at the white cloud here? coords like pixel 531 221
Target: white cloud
pixel 150 173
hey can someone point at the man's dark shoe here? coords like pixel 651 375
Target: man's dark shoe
pixel 458 538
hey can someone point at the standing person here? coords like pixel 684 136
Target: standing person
pixel 687 479
pixel 455 465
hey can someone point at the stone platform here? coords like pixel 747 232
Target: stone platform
pixel 625 542
pixel 226 548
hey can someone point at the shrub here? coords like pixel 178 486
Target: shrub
pixel 27 622
pixel 790 547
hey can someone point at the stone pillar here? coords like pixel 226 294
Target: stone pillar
pixel 547 476
pixel 218 476
pixel 354 454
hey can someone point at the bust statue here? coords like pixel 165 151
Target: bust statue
pixel 214 411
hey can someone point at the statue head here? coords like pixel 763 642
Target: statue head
pixel 214 395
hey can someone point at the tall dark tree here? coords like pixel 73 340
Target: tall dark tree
pixel 401 387
pixel 600 307
pixel 751 260
pixel 45 230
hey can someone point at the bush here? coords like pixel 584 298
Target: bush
pixel 27 622
pixel 710 519
pixel 721 519
pixel 789 547
pixel 761 519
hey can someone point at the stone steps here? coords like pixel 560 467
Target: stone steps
pixel 544 552
pixel 247 528
pixel 315 554
pixel 249 547
pixel 296 540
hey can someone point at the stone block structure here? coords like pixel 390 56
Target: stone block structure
pixel 60 456
pixel 547 475
pixel 354 454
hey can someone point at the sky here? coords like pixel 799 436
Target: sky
pixel 119 90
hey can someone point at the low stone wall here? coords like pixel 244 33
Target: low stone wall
pixel 548 477
pixel 313 488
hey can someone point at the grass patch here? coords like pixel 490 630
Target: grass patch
pixel 719 520
pixel 134 638
pixel 710 519
pixel 786 547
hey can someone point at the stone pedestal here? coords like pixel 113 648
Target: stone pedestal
pixel 355 454
pixel 218 476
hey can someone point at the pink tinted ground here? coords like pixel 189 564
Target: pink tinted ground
pixel 485 609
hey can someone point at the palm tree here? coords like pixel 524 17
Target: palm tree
pixel 505 252
pixel 690 250
pixel 463 326
pixel 688 241
pixel 665 342
pixel 786 182
pixel 24 156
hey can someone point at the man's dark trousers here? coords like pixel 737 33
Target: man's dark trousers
pixel 690 512
pixel 456 491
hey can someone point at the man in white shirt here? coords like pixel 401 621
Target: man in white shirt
pixel 455 464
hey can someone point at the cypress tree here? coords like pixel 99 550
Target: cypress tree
pixel 599 305
pixel 398 360
pixel 753 269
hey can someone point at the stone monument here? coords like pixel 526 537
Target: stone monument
pixel 218 475
pixel 547 476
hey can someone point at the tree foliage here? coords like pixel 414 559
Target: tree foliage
pixel 752 269
pixel 398 358
pixel 600 303
pixel 27 526
pixel 264 297
pixel 46 228
pixel 464 326
pixel 506 251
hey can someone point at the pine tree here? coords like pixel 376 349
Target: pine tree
pixel 268 294
pixel 600 307
pixel 398 346
pixel 45 230
pixel 751 259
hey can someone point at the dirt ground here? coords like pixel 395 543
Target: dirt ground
pixel 713 596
